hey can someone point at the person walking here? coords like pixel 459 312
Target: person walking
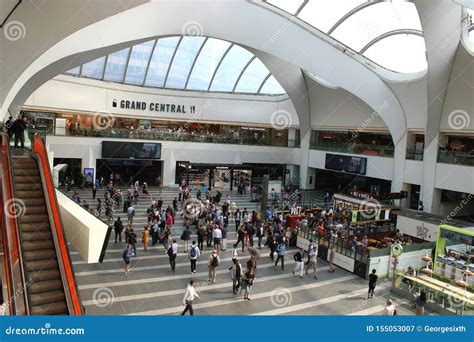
pixel 237 218
pixel 194 253
pixel 130 214
pixel 127 257
pixel 271 245
pixel 154 232
pixel 299 262
pixel 236 274
pixel 373 277
pixel 94 190
pixel 247 282
pixel 118 228
pixel 201 234
pixel 312 258
pixel 420 304
pixel 133 241
pixel 389 309
pixel 217 236
pixel 224 238
pixel 241 237
pixel 281 250
pixel 186 238
pixel 212 265
pixel 172 253
pixel 189 297
pixel 332 254
pixel 145 237
pixel 260 235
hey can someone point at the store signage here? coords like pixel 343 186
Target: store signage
pixel 361 194
pixel 154 106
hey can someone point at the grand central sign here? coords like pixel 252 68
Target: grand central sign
pixel 154 106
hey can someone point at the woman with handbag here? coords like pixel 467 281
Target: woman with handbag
pixel 247 282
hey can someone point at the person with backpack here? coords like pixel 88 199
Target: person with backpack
pixel 212 265
pixel 186 237
pixel 299 262
pixel 118 228
pixel 194 253
pixel 281 249
pixel 236 274
pixel 127 257
pixel 172 253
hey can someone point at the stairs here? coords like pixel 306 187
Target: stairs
pixel 43 275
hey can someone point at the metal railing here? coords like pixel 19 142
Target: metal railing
pixel 372 150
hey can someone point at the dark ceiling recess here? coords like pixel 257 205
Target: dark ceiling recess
pixel 4 11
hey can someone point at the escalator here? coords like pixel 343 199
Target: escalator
pixel 46 273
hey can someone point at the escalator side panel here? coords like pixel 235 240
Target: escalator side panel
pixel 63 257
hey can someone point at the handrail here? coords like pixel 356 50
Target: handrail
pixel 70 288
pixel 12 265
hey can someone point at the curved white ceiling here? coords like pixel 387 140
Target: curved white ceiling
pixel 185 63
pixel 388 33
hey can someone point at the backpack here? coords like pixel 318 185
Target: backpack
pixel 170 251
pixel 215 261
pixel 192 252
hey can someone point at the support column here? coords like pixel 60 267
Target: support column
pixel 429 195
pixel 304 160
pixel 399 157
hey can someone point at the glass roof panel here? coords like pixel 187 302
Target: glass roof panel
pixel 387 53
pixel 183 61
pixel 160 61
pixel 286 5
pixel 230 69
pixel 94 69
pixel 206 63
pixel 74 71
pixel 272 86
pixel 323 14
pixel 138 62
pixel 116 63
pixel 373 21
pixel 252 77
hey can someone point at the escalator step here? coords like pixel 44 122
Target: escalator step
pixel 34 201
pixel 26 172
pixel 35 209
pixel 38 245
pixel 44 275
pixel 29 194
pixel 47 297
pixel 35 227
pixel 33 181
pixel 45 286
pixel 27 237
pixel 57 308
pixel 28 186
pixel 40 265
pixel 39 255
pixel 37 218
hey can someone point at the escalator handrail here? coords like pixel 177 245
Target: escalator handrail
pixel 13 258
pixel 71 290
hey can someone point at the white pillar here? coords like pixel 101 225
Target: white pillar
pixel 431 196
pixel 399 157
pixel 304 159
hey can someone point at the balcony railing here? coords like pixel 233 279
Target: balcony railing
pixel 176 136
pixel 456 157
pixel 414 154
pixel 372 150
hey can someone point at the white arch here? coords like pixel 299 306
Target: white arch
pixel 236 21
